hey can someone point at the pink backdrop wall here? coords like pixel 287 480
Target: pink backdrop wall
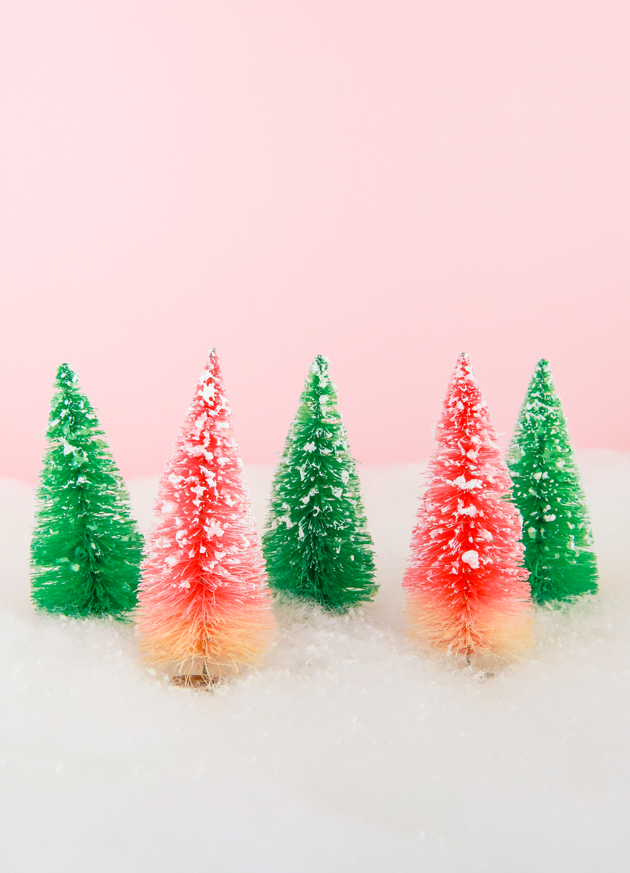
pixel 387 183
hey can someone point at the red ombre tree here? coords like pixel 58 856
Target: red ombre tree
pixel 467 590
pixel 203 602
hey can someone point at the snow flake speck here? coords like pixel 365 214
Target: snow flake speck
pixel 214 529
pixel 467 485
pixel 209 476
pixel 208 391
pixel 196 450
pixel 466 510
pixel 471 558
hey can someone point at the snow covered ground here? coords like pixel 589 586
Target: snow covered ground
pixel 347 750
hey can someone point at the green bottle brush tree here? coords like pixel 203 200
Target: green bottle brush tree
pixel 86 549
pixel 316 544
pixel 548 492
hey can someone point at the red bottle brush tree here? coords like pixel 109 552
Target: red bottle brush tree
pixel 204 606
pixel 467 590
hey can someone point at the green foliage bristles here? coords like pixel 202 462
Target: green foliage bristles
pixel 548 492
pixel 316 544
pixel 86 549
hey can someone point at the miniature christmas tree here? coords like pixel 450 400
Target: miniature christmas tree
pixel 548 493
pixel 467 589
pixel 86 550
pixel 316 543
pixel 204 604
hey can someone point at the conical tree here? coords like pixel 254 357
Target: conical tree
pixel 548 492
pixel 467 591
pixel 204 605
pixel 316 543
pixel 86 549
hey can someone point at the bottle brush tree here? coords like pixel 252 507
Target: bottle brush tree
pixel 86 549
pixel 548 492
pixel 467 591
pixel 204 605
pixel 316 542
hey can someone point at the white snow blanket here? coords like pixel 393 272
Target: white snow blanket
pixel 346 750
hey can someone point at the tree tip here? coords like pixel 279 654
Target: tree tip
pixel 212 361
pixel 544 370
pixel 320 364
pixel 65 372
pixel 463 366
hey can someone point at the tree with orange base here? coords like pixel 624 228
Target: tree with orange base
pixel 203 602
pixel 467 590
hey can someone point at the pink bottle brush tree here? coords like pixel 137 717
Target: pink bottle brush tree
pixel 204 608
pixel 467 589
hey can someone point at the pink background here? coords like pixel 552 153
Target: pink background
pixel 387 183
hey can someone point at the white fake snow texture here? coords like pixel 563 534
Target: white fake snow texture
pixel 348 750
pixel 471 558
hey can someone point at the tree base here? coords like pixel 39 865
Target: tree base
pixel 203 682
